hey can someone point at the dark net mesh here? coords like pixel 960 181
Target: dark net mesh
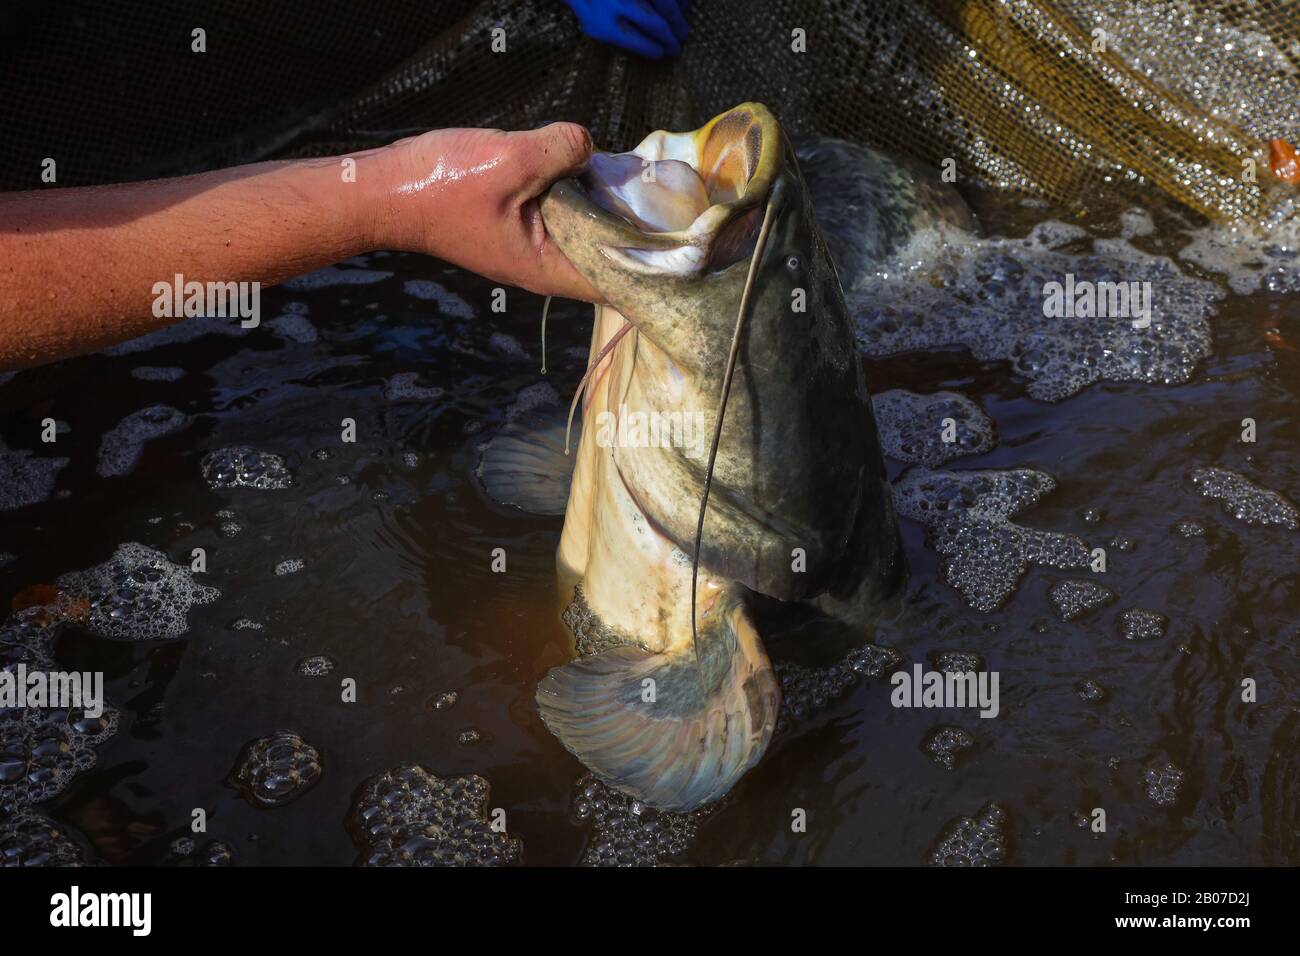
pixel 1054 99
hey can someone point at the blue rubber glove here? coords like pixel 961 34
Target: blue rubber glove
pixel 653 29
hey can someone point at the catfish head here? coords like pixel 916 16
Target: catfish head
pixel 667 234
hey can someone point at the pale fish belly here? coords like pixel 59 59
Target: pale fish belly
pixel 635 580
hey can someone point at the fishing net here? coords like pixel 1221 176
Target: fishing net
pixel 1058 100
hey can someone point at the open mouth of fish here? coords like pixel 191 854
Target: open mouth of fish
pixel 693 201
pixel 727 458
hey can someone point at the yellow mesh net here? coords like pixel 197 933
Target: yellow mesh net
pixel 1054 99
pixel 1057 99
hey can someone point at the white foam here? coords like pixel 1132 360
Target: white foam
pixel 1135 222
pixel 448 302
pixel 120 449
pixel 25 479
pixel 531 397
pixel 402 387
pixel 912 426
pixel 154 373
pixel 276 769
pixel 1245 500
pixel 988 295
pixel 137 594
pixel 336 275
pixel 186 330
pixel 295 327
pixel 967 514
pixel 240 466
pixel 507 345
pixel 409 817
pixel 1247 260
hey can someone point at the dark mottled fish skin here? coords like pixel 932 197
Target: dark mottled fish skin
pixel 870 205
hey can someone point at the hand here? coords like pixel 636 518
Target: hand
pixel 649 28
pixel 469 196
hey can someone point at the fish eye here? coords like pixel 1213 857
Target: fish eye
pixel 792 263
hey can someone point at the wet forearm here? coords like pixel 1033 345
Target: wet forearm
pixel 78 267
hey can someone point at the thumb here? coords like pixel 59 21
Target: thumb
pixel 551 153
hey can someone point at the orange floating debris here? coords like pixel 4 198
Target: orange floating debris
pixel 44 605
pixel 1275 339
pixel 35 595
pixel 1284 161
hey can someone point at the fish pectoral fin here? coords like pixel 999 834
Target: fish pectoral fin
pixel 525 464
pixel 655 726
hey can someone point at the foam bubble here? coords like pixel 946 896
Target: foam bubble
pixel 294 327
pixel 449 303
pixel 43 748
pixel 402 387
pixel 137 594
pixel 186 330
pixel 23 640
pixel 1164 780
pixel 912 426
pixel 531 397
pixel 24 479
pixel 1245 500
pixel 336 275
pixel 318 665
pixel 628 833
pixel 444 701
pixel 121 448
pixel 1073 598
pixel 988 295
pixel 29 838
pixel 409 817
pixel 1136 222
pixel 156 373
pixel 507 345
pixel 1140 624
pixel 291 566
pixel 240 466
pixel 273 770
pixel 974 841
pixel 1090 691
pixel 947 745
pixel 967 512
pixel 1249 261
pixel 807 690
pixel 214 853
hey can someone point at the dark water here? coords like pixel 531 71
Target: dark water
pixel 397 589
